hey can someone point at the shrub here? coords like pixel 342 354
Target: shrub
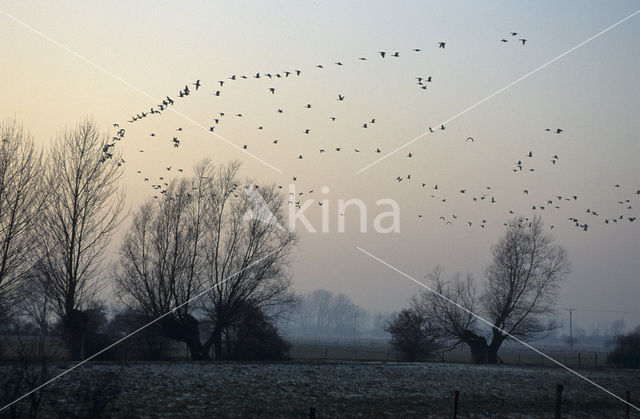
pixel 626 353
pixel 412 335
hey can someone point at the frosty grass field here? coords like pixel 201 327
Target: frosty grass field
pixel 350 389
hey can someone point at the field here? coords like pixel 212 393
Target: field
pixel 381 350
pixel 344 389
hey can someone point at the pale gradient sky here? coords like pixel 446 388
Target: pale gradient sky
pixel 160 46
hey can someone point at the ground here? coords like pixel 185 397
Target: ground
pixel 348 389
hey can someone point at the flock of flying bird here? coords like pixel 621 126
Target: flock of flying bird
pixel 487 195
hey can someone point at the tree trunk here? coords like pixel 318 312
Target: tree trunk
pixel 217 344
pixel 478 346
pixel 76 330
pixel 493 348
pixel 185 330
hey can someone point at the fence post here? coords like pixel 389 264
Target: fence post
pixel 559 388
pixel 596 361
pixel 627 397
pixel 325 353
pixel 387 355
pixel 312 413
pixel 578 359
pixel 454 404
pixel 356 354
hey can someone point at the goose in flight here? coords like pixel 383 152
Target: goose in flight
pixel 272 90
pixel 522 40
pixel 441 44
pixel 382 53
pixel 471 138
pixel 340 97
pixel 197 84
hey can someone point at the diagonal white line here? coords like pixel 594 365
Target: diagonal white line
pixel 497 92
pixel 139 329
pixel 137 89
pixel 495 327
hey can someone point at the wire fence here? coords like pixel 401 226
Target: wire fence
pixel 381 350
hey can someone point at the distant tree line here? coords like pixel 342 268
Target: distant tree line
pixel 321 313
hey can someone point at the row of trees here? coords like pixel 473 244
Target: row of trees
pixel 516 299
pixel 321 313
pixel 200 259
pixel 57 214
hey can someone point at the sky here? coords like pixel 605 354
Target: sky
pixel 111 60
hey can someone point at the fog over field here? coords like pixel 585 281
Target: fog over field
pixel 320 185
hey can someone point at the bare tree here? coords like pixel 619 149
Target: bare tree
pixel 84 208
pixel 21 199
pixel 246 257
pixel 208 233
pixel 160 259
pixel 519 294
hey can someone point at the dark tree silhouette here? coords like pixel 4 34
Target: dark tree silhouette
pixel 159 262
pixel 198 237
pixel 83 209
pixel 518 298
pixel 413 334
pixel 21 200
pixel 626 353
